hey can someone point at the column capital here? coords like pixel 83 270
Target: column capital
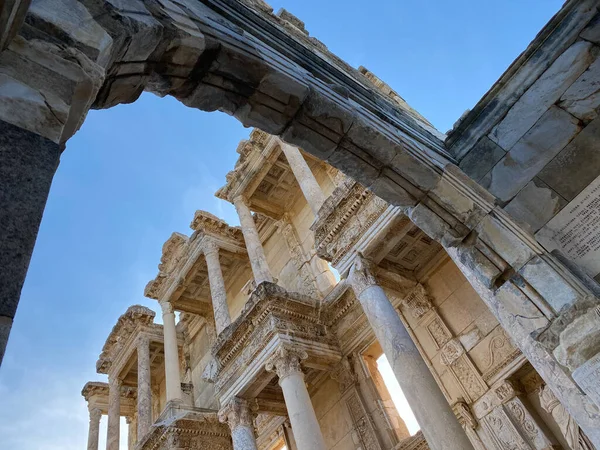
pixel 361 274
pixel 240 198
pixel 210 247
pixel 115 381
pixel 95 414
pixel 286 361
pixel 237 413
pixel 166 306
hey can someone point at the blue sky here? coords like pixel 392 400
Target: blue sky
pixel 135 173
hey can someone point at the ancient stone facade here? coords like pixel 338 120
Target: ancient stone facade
pixel 470 260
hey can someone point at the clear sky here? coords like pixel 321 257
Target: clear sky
pixel 136 173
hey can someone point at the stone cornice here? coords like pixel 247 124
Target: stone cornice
pixel 210 224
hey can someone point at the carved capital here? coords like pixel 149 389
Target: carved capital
pixel 344 375
pixel 167 307
pixel 464 415
pixel 286 361
pixel 451 351
pixel 506 391
pixel 361 275
pixel 241 198
pixel 95 415
pixel 115 382
pixel 209 247
pixel 237 413
pixel 417 301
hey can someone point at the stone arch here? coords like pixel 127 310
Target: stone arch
pixel 237 57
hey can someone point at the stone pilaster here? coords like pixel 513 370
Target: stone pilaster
pixel 94 431
pixel 172 375
pixel 114 414
pixel 440 427
pixel 144 392
pixel 286 363
pixel 256 254
pixel 307 181
pixel 217 286
pixel 238 416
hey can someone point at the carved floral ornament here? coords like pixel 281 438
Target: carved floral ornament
pixel 361 275
pixel 286 361
pixel 237 413
pixel 464 415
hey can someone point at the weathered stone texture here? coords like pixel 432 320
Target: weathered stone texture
pixel 12 15
pixel 531 153
pixel 543 93
pixel 482 157
pixel 583 97
pixel 575 166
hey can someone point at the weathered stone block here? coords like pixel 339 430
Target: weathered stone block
pixel 543 93
pixel 12 15
pixel 482 157
pixel 535 205
pixel 549 136
pixel 583 97
pixel 588 378
pixel 592 31
pixel 580 340
pixel 577 165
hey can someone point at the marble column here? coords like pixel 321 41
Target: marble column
pixel 438 423
pixel 307 181
pixel 256 254
pixel 113 429
pixel 27 164
pixel 217 286
pixel 286 364
pixel 144 391
pixel 94 431
pixel 238 416
pixel 172 375
pixel 131 434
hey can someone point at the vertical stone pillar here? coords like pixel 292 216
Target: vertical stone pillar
pixel 114 414
pixel 172 375
pixel 258 260
pixel 238 416
pixel 217 286
pixel 144 392
pixel 131 434
pixel 440 427
pixel 286 364
pixel 27 164
pixel 307 181
pixel 94 431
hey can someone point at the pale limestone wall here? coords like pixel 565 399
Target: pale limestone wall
pixel 200 357
pixel 236 298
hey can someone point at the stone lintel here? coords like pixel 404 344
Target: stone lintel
pixel 271 318
pixel 96 394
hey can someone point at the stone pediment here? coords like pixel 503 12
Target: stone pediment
pixel 272 318
pixel 135 318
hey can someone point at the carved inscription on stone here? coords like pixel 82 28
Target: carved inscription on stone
pixel 575 231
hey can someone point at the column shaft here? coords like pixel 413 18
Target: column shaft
pixel 307 432
pixel 217 287
pixel 114 414
pixel 94 431
pixel 307 181
pixel 144 392
pixel 258 260
pixel 27 164
pixel 173 378
pixel 440 427
pixel 238 416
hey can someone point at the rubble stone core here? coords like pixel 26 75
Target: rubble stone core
pixel 466 233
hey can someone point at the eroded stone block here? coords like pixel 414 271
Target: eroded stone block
pixel 583 97
pixel 548 136
pixel 592 31
pixel 535 205
pixel 543 93
pixel 482 157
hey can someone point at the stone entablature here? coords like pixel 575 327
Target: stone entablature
pixel 185 427
pixel 96 395
pixel 272 318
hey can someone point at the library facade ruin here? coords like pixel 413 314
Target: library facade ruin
pixel 471 259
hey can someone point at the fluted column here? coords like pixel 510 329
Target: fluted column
pixel 172 375
pixel 307 181
pixel 114 414
pixel 258 260
pixel 217 286
pixel 286 364
pixel 144 391
pixel 238 416
pixel 94 431
pixel 440 427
